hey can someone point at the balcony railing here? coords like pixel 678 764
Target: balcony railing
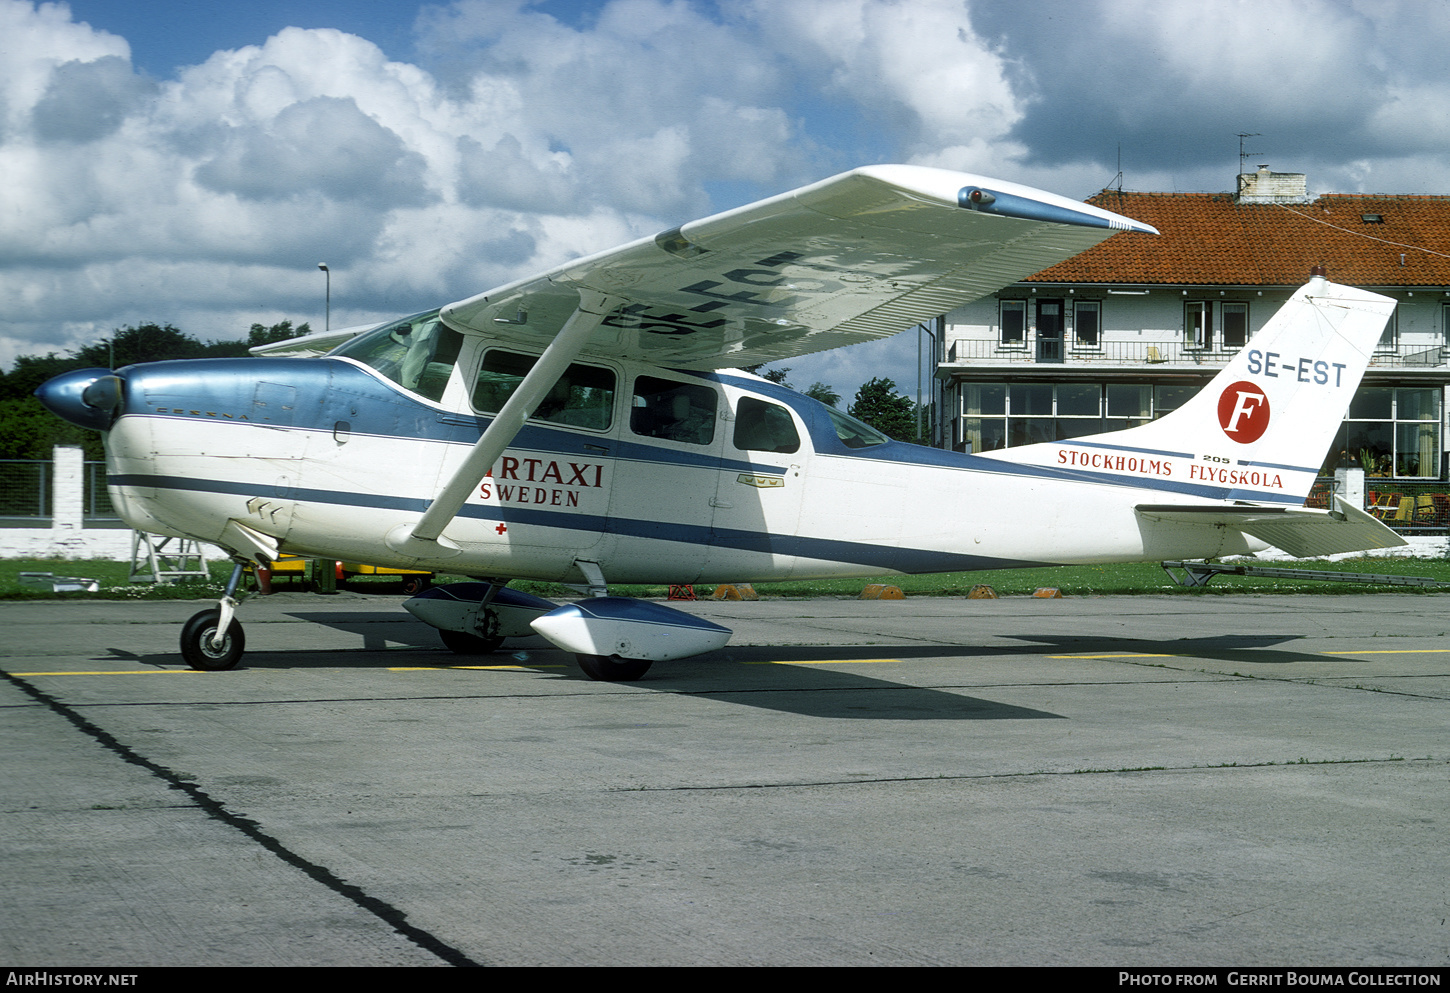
pixel 1406 506
pixel 1148 354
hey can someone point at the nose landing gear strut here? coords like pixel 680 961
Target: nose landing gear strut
pixel 213 640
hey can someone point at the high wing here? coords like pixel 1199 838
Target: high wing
pixel 860 256
pixel 1302 532
pixel 857 257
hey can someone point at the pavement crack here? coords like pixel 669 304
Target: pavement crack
pixel 218 811
pixel 968 776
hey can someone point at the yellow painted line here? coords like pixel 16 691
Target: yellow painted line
pixel 117 672
pixel 822 662
pixel 1395 651
pixel 509 668
pixel 1126 655
pixel 442 668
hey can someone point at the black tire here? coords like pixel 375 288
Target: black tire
pixel 413 585
pixel 196 642
pixel 612 668
pixel 469 644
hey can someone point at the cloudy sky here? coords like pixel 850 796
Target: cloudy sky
pixel 191 161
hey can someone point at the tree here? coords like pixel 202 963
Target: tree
pixel 776 376
pixel 879 405
pixel 28 430
pixel 823 393
pixel 144 343
pixel 262 335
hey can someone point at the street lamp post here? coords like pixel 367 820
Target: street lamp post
pixel 328 273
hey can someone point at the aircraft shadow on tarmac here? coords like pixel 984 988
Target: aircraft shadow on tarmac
pixel 745 675
pixel 1252 648
pixel 753 676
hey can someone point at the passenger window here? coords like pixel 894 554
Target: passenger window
pixel 764 427
pixel 582 398
pixel 418 353
pixel 674 411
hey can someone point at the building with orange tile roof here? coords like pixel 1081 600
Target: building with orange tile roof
pixel 1128 330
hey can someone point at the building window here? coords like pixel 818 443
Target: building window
pixel 1087 324
pixel 1391 432
pixel 1167 399
pixel 984 421
pixel 1235 325
pixel 1006 415
pixel 1198 324
pixel 1014 323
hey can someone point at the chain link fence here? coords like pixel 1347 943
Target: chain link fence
pixel 26 487
pixel 24 490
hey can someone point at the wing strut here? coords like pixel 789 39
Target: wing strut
pixel 423 540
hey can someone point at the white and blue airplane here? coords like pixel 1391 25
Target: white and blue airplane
pixel 590 425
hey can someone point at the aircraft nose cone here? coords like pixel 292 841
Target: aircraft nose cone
pixel 90 398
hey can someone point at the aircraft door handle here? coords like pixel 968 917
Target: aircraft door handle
pixel 722 504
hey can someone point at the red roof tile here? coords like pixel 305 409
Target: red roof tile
pixel 1208 239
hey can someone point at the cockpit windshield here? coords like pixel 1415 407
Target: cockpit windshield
pixel 853 433
pixel 418 353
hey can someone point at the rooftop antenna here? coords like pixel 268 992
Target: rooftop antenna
pixel 1243 154
pixel 1117 183
pixel 1238 180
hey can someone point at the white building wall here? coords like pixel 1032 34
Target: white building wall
pixel 1156 316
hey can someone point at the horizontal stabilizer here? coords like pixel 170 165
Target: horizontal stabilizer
pixel 1300 531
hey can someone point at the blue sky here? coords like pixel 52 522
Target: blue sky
pixel 168 34
pixel 191 162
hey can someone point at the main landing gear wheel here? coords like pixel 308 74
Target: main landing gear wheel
pixel 612 668
pixel 469 644
pixel 196 646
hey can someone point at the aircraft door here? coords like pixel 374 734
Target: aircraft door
pixel 666 478
pixel 546 498
pixel 757 500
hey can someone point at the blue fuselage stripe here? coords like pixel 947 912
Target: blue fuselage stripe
pixel 824 549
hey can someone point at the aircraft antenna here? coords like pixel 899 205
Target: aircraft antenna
pixel 328 273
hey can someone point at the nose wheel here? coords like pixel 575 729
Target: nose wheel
pixel 203 650
pixel 612 668
pixel 212 640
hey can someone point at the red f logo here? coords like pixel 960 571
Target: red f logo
pixel 1243 412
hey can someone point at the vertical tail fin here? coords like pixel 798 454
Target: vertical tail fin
pixel 1261 428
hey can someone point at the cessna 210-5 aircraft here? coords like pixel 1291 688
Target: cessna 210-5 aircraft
pixel 589 426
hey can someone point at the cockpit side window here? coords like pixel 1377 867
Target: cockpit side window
pixel 764 427
pixel 664 408
pixel 418 353
pixel 583 397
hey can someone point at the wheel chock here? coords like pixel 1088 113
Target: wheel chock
pixel 982 593
pixel 683 592
pixel 880 591
pixel 1048 593
pixel 734 591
